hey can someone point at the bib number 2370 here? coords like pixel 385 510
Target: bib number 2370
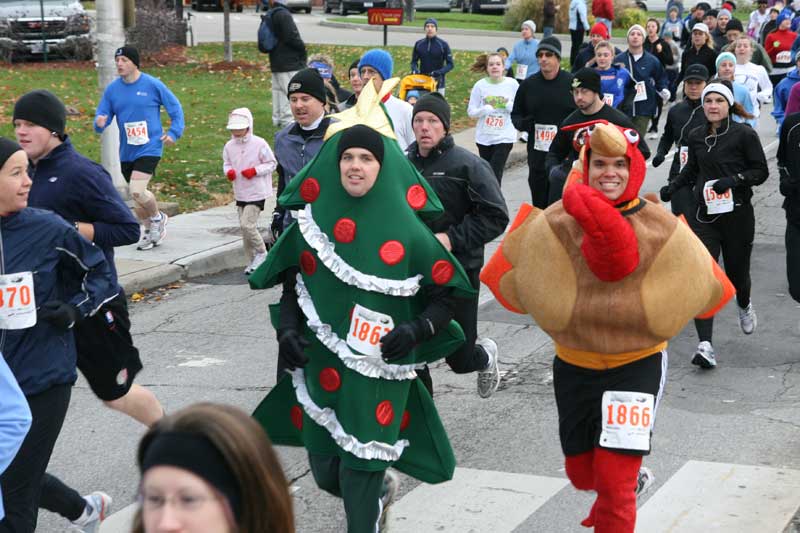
pixel 627 420
pixel 367 327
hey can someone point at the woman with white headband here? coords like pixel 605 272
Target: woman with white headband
pixel 726 160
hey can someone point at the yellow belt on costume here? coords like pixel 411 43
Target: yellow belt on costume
pixel 604 361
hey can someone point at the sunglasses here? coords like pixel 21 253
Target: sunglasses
pixel 545 54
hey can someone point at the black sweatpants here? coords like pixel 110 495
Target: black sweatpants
pixel 469 357
pixel 732 234
pixel 22 480
pixel 496 155
pixel 537 176
pixel 793 258
pixel 359 490
pixel 59 498
pixel 577 41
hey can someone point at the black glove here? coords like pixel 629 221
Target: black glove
pixel 666 193
pixel 402 339
pixel 657 160
pixel 723 184
pixel 291 346
pixel 61 315
pixel 788 186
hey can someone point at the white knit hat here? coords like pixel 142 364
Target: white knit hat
pixel 531 24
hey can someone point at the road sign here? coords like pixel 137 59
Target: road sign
pixel 385 16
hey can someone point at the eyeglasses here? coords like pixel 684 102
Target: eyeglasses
pixel 545 54
pixel 185 503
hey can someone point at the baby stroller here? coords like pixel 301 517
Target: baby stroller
pixel 416 85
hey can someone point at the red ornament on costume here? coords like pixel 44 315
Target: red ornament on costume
pixel 308 263
pixel 296 414
pixel 384 413
pixel 392 252
pixel 416 197
pixel 442 271
pixel 329 379
pixel 405 420
pixel 309 190
pixel 345 230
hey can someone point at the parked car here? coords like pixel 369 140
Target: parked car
pixel 202 5
pixel 26 26
pixel 432 5
pixel 484 6
pixel 343 7
pixel 293 5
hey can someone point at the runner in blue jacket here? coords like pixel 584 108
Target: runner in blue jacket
pixel 432 56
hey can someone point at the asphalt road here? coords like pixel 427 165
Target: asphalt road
pixel 726 441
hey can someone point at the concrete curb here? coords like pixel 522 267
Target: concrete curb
pixel 415 29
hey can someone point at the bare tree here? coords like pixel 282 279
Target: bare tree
pixel 226 28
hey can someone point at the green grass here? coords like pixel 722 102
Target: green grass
pixel 190 172
pixel 87 4
pixel 454 19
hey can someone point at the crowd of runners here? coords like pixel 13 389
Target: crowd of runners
pixel 363 167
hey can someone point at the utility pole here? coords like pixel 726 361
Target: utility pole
pixel 109 37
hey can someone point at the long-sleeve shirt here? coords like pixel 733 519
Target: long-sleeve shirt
pixel 756 79
pixel 539 107
pixel 524 55
pixel 432 56
pixel 491 103
pixel 15 420
pixel 249 151
pixel 577 15
pixel 137 107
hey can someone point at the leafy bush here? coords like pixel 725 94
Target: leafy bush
pixel 629 17
pixel 522 10
pixel 156 26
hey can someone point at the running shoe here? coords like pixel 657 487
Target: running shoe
pixel 704 356
pixel 144 243
pixel 652 135
pixel 523 137
pixel 98 505
pixel 158 229
pixel 748 319
pixel 390 485
pixel 644 481
pixel 257 260
pixel 489 377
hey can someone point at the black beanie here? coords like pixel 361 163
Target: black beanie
pixel 353 65
pixel 130 52
pixel 310 82
pixel 44 109
pixel 587 78
pixel 7 149
pixel 361 136
pixel 551 44
pixel 436 104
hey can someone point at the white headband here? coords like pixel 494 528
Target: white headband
pixel 721 89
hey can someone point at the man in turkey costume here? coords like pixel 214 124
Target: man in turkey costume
pixel 367 298
pixel 610 277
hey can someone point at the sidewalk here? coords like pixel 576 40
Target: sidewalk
pixel 206 242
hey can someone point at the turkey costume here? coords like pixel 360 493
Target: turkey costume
pixel 361 266
pixel 610 282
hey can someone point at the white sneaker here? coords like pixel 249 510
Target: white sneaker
pixel 523 137
pixel 748 319
pixel 704 356
pixel 653 135
pixel 257 260
pixel 488 378
pixel 98 505
pixel 158 229
pixel 644 481
pixel 144 243
pixel 390 485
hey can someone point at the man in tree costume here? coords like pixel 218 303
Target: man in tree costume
pixel 367 298
pixel 610 277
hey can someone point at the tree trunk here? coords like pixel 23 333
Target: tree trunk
pixel 227 31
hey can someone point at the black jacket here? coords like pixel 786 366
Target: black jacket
pixel 290 53
pixel 665 56
pixel 541 101
pixel 475 211
pixel 789 166
pixel 681 119
pixel 734 152
pixel 586 54
pixel 705 56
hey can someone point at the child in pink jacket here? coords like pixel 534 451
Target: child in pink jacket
pixel 248 162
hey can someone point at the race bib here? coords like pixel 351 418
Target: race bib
pixel 521 72
pixel 627 420
pixel 641 92
pixel 495 122
pixel 683 156
pixel 543 135
pixel 784 57
pixel 608 99
pixel 17 302
pixel 366 329
pixel 716 204
pixel 136 133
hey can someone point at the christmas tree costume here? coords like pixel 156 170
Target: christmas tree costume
pixel 610 282
pixel 364 266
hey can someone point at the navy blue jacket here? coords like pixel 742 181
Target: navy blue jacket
pixel 65 267
pixel 80 190
pixel 649 70
pixel 433 58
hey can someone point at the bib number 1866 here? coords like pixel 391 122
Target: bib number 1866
pixel 627 420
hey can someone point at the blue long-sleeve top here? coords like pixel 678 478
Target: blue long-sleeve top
pixel 615 82
pixel 524 53
pixel 15 420
pixel 137 102
pixel 432 56
pixel 742 95
pixel 80 190
pixel 781 95
pixel 647 69
pixel 577 13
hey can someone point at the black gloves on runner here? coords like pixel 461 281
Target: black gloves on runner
pixel 666 193
pixel 402 339
pixel 723 184
pixel 291 348
pixel 60 315
pixel 657 160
